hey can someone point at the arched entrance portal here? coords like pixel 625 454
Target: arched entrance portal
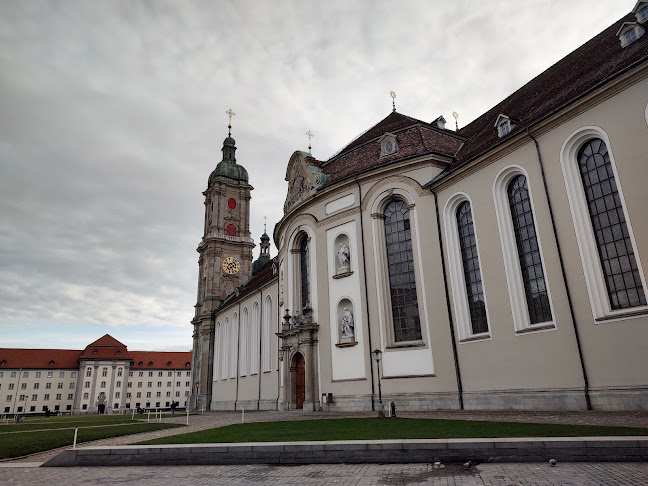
pixel 300 380
pixel 101 408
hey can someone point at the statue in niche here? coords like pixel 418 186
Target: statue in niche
pixel 347 324
pixel 343 255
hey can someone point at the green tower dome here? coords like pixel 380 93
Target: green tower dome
pixel 228 168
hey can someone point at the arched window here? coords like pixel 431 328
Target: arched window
pixel 225 350
pixel 245 342
pixel 615 249
pixel 230 230
pixel 471 269
pixel 234 346
pixel 218 339
pixel 304 266
pixel 254 340
pixel 535 287
pixel 267 335
pixel 400 263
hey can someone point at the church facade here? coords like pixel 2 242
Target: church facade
pixel 494 266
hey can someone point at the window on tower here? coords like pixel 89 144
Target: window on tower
pixel 231 203
pixel 230 230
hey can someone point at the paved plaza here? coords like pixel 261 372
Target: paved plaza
pixel 567 474
pixel 19 472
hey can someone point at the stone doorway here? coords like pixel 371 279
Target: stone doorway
pixel 300 380
pixel 101 408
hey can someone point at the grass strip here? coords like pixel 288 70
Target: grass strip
pixel 16 445
pixel 39 423
pixel 374 428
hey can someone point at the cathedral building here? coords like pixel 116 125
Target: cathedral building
pixel 495 266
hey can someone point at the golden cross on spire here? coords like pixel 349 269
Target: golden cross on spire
pixel 265 220
pixel 230 113
pixel 393 95
pixel 310 135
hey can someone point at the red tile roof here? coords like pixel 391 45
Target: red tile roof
pixel 597 61
pixel 106 347
pixel 160 360
pixel 107 340
pixel 416 139
pixel 16 358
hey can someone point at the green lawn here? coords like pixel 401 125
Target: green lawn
pixel 65 421
pixel 16 441
pixel 374 428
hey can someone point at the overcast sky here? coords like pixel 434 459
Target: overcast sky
pixel 112 116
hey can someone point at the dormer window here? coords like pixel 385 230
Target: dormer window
pixel 641 12
pixel 504 125
pixel 388 144
pixel 630 32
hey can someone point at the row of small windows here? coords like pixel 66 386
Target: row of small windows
pixel 36 386
pixel 34 398
pixel 38 374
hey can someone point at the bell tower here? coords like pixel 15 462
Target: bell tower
pixel 225 260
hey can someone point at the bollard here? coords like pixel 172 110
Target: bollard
pixel 148 418
pixel 133 417
pixel 202 409
pixel 242 415
pixel 76 431
pixel 187 414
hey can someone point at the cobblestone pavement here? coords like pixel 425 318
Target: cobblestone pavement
pixel 573 474
pixel 210 420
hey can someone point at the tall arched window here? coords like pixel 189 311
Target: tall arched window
pixel 217 351
pixel 254 340
pixel 304 266
pixel 400 263
pixel 245 341
pixel 535 287
pixel 471 269
pixel 234 345
pixel 225 350
pixel 615 250
pixel 267 335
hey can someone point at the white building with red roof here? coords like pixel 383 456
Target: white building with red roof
pixel 105 377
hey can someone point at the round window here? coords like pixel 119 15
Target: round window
pixel 231 203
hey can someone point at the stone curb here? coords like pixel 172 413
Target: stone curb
pixel 563 449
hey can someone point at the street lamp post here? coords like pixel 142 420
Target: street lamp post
pixel 377 355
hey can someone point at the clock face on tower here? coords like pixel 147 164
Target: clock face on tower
pixel 231 265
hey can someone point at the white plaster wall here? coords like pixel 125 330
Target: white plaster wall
pixel 346 363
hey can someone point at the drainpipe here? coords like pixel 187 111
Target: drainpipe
pixel 449 307
pixel 260 347
pixel 364 271
pixel 278 330
pixel 238 353
pixel 564 275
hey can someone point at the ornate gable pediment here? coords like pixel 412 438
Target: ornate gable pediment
pixel 303 180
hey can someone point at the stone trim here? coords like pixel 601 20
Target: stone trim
pixel 563 449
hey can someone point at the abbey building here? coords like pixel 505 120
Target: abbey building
pixel 500 265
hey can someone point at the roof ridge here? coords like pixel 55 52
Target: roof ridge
pixel 350 146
